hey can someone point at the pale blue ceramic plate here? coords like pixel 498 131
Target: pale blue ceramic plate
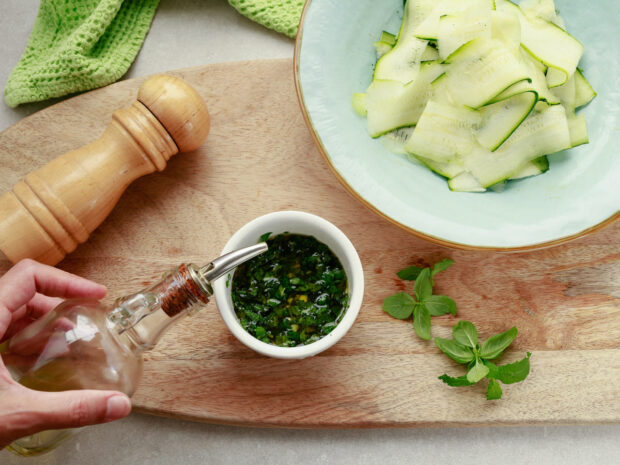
pixel 334 58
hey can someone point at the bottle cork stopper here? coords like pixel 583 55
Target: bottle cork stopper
pixel 182 293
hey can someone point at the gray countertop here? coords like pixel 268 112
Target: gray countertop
pixel 194 32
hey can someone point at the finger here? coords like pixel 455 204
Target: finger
pixel 42 336
pixel 15 328
pixel 39 306
pixel 38 411
pixel 5 320
pixel 19 285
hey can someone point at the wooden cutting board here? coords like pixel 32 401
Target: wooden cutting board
pixel 260 158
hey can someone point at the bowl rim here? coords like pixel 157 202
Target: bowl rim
pixel 436 240
pixel 355 281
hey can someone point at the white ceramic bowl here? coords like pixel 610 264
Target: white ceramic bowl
pixel 298 223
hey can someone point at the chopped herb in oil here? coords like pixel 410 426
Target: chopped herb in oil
pixel 293 294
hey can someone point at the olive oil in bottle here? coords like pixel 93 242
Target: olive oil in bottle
pixel 81 344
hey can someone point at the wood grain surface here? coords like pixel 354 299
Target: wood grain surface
pixel 260 158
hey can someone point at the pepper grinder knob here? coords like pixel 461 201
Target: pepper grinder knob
pixel 179 108
pixel 53 209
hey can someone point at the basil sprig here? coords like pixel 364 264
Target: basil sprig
pixel 402 305
pixel 464 348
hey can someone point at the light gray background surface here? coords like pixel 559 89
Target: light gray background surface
pixel 195 32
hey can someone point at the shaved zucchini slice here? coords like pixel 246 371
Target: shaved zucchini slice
pixel 535 167
pixel 537 83
pixel 578 130
pixel 395 140
pixel 548 43
pixel 506 27
pixel 359 103
pixel 430 54
pixel 392 104
pixel 566 93
pixel 584 93
pixel 456 30
pixel 429 28
pixel 465 182
pixel 544 9
pixel 447 170
pixel 444 132
pixel 501 119
pixel 483 69
pixel 381 48
pixel 402 62
pixel 388 38
pixel 415 13
pixel 540 134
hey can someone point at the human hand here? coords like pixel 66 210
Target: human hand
pixel 28 291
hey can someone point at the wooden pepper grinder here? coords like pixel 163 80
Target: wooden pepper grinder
pixel 46 215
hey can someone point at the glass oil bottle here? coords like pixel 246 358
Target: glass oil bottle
pixel 81 344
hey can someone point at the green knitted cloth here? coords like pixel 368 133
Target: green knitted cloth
pixel 79 45
pixel 280 15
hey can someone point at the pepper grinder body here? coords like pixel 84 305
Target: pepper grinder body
pixel 53 209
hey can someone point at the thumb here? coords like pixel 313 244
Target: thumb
pixel 40 411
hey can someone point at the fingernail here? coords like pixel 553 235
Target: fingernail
pixel 118 407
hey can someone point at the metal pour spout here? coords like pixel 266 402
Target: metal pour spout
pixel 222 265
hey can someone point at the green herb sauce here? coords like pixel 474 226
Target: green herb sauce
pixel 293 294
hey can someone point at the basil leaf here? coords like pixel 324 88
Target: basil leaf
pixel 465 332
pixel 493 373
pixel 264 237
pixel 440 305
pixel 494 391
pixel 477 372
pixel 454 350
pixel 422 321
pixel 423 288
pixel 399 305
pixel 514 372
pixel 455 382
pixel 410 273
pixel 441 266
pixel 496 344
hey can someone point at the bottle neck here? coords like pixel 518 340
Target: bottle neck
pixel 139 320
